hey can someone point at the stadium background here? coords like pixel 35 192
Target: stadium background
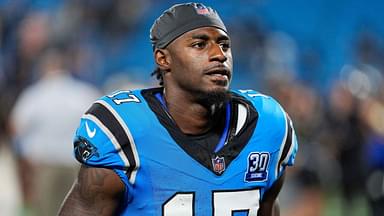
pixel 322 59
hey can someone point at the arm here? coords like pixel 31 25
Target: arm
pixel 97 191
pixel 269 205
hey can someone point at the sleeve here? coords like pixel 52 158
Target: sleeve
pixel 289 147
pixel 103 140
pixel 94 145
pixel 277 128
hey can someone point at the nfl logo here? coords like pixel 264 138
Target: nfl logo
pixel 218 164
pixel 201 9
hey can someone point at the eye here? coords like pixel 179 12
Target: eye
pixel 225 45
pixel 199 44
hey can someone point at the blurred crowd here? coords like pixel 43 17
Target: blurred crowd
pixel 58 56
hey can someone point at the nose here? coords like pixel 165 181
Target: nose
pixel 217 53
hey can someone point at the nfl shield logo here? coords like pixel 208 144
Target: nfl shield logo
pixel 218 164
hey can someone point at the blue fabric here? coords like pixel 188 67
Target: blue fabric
pixel 170 180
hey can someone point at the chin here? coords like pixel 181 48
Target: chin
pixel 215 96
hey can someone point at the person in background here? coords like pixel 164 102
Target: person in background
pixel 42 122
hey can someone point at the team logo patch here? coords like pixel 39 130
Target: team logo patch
pixel 257 168
pixel 218 164
pixel 201 9
pixel 84 149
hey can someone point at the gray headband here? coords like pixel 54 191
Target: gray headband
pixel 180 19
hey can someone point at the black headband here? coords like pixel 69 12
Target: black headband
pixel 180 19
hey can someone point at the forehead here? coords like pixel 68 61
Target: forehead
pixel 207 32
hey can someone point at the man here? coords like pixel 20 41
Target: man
pixel 45 167
pixel 191 147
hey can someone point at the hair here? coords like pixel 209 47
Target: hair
pixel 158 73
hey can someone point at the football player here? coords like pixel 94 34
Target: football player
pixel 192 147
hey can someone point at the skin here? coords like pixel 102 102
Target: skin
pixel 97 191
pixel 197 65
pixel 192 64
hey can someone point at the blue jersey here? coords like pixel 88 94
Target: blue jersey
pixel 166 173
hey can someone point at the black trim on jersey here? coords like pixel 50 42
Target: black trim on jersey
pixel 234 143
pixel 114 126
pixel 287 144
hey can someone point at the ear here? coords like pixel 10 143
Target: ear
pixel 162 59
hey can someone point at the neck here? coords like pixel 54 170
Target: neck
pixel 190 116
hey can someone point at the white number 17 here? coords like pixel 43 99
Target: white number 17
pixel 224 203
pixel 128 97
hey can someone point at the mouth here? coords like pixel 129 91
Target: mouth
pixel 219 72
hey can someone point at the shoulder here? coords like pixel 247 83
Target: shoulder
pixel 275 126
pixel 274 122
pixel 117 102
pixel 111 113
pixel 264 104
pixel 104 137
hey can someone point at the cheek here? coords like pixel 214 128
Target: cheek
pixel 229 61
pixel 194 63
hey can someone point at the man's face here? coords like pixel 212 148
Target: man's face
pixel 201 61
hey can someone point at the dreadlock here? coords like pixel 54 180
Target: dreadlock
pixel 158 73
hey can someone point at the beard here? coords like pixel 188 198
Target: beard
pixel 213 99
